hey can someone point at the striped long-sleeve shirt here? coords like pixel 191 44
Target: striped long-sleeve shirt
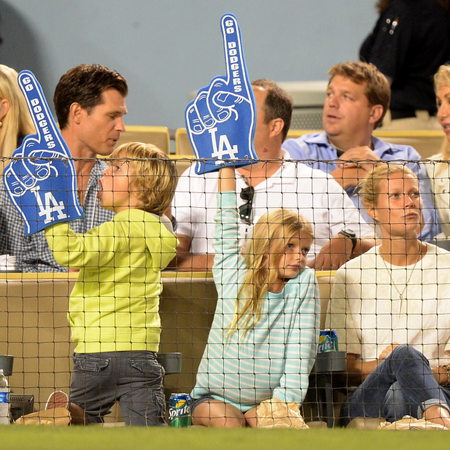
pixel 277 354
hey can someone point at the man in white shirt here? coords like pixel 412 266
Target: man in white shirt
pixel 277 182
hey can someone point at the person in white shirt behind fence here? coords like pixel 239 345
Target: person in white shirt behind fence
pixel 390 308
pixel 340 232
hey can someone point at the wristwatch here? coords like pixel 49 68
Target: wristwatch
pixel 447 369
pixel 349 233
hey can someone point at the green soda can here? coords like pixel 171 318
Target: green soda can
pixel 180 410
pixel 328 341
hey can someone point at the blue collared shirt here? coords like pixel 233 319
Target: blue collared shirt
pixel 317 148
pixel 32 252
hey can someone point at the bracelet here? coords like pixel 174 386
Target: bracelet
pixel 447 369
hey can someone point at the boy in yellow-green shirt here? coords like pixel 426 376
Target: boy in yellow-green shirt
pixel 114 306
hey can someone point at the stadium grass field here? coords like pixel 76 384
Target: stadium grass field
pixel 97 438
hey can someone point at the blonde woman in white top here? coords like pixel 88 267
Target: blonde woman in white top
pixel 438 167
pixel 391 310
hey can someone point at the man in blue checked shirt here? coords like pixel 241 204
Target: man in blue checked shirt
pixel 90 105
pixel 357 99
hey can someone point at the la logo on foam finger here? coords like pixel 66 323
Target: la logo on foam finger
pixel 41 178
pixel 221 120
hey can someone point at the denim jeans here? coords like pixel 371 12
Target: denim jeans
pixel 134 379
pixel 402 384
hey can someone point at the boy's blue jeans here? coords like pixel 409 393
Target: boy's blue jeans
pixel 134 379
pixel 402 384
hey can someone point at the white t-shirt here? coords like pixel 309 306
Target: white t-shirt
pixel 314 194
pixel 368 315
pixel 440 187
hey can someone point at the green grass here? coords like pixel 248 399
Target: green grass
pixel 68 438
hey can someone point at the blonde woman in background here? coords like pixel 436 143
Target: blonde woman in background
pixel 15 120
pixel 438 167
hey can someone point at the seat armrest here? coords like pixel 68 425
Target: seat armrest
pixel 170 361
pixel 327 362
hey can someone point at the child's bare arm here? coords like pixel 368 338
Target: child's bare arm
pixel 227 179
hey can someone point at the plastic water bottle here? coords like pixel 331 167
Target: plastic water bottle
pixel 5 418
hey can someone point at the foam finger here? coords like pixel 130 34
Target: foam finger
pixel 237 77
pixel 194 119
pixel 203 111
pixel 46 128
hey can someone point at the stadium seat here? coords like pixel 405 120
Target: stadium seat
pixel 183 146
pixel 426 142
pixel 320 401
pixel 170 361
pixel 158 136
pixel 294 134
pixel 183 150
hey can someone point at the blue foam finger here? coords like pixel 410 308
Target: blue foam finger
pixel 236 67
pixel 221 120
pixel 41 179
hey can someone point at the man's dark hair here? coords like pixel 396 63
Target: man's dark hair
pixel 85 84
pixel 278 105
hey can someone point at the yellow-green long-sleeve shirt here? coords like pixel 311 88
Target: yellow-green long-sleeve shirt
pixel 114 305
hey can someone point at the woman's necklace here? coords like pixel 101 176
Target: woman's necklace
pixel 400 294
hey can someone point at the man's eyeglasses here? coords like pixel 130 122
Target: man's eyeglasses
pixel 245 210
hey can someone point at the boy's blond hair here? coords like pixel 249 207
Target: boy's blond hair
pixel 154 177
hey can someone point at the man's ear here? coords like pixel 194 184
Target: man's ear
pixel 276 127
pixel 4 108
pixel 376 113
pixel 75 113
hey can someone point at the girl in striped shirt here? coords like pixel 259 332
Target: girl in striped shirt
pixel 263 339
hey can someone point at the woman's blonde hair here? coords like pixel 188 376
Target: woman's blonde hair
pixel 17 121
pixel 370 185
pixel 155 175
pixel 262 254
pixel 442 77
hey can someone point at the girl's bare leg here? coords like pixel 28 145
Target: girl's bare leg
pixel 251 417
pixel 214 413
pixel 437 414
